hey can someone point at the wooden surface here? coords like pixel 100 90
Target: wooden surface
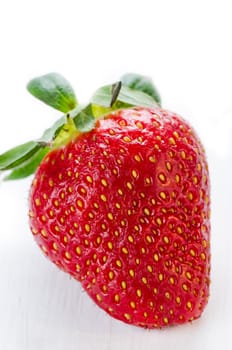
pixel 186 47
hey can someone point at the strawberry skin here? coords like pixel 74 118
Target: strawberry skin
pixel 124 209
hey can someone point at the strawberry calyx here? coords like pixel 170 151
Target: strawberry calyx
pixel 54 90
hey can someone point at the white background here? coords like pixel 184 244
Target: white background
pixel 186 47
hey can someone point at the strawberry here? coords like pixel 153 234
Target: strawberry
pixel 123 206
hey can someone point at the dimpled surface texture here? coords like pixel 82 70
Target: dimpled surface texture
pixel 124 209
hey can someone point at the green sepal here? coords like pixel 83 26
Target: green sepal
pixel 85 119
pixel 54 90
pixel 127 97
pixel 28 167
pixel 141 83
pixel 18 155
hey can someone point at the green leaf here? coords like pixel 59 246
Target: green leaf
pixel 51 133
pixel 28 167
pixel 127 97
pixel 54 90
pixel 141 83
pixel 85 120
pixel 18 155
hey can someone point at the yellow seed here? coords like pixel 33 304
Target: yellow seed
pixel 44 249
pixel 78 250
pixel 51 183
pixel 171 280
pixel 156 257
pixel 139 293
pixel 56 203
pixel 172 141
pixel 126 139
pixel 203 257
pixel 162 177
pixel 195 180
pixel 139 125
pixel 98 240
pixel 167 295
pixel 132 304
pixel 166 239
pixel 147 211
pixel 190 196
pixel 87 228
pixel 111 275
pixel 124 250
pixel 155 290
pixel 192 252
pixel 130 239
pixel 37 202
pixel 185 287
pixel 79 203
pixel 34 231
pixel 148 239
pixel 119 263
pixel 110 245
pixel 152 159
pixel 189 305
pixel 127 316
pixel 149 268
pixel 148 181
pixel 103 197
pixel 103 226
pixel 179 229
pixel 110 216
pixel 111 132
pixel 117 205
pixel 131 273
pixel 144 280
pixel 163 195
pixel 99 298
pixel 143 250
pixel 104 182
pixel 123 223
pixel 137 158
pixel 161 276
pixel 178 300
pixel 123 284
pixel 55 246
pixel 177 177
pixel 91 215
pixel 120 192
pixel 183 154
pixel 165 319
pixel 153 201
pixel 67 255
pixel 159 221
pixel 134 173
pixel 176 135
pixel 137 261
pixel 43 233
pixel 188 275
pixel 129 185
pixel 168 166
pixel 204 243
pixel 116 298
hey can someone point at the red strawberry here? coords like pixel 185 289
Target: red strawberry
pixel 124 209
